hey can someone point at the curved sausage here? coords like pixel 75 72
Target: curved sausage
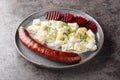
pixel 59 56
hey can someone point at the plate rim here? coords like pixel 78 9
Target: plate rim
pixel 60 67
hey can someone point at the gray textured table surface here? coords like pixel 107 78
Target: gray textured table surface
pixel 105 66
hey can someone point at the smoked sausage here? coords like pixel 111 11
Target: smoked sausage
pixel 55 55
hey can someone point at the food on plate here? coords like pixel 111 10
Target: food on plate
pixel 60 37
pixel 63 36
pixel 56 55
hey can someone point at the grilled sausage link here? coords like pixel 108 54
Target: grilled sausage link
pixel 55 55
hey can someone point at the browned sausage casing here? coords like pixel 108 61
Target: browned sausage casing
pixel 59 56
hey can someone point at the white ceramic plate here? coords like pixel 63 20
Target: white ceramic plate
pixel 43 62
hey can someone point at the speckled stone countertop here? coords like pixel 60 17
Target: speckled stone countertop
pixel 104 66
